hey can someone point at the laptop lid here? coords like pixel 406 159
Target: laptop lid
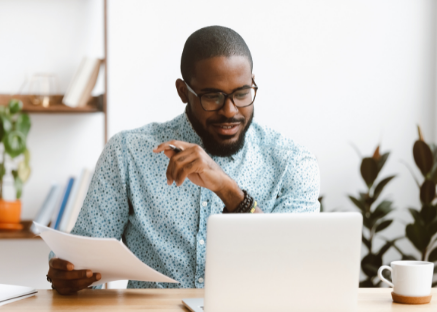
pixel 282 262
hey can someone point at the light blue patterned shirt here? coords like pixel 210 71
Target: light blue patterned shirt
pixel 165 226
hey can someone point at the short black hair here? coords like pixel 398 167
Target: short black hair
pixel 209 42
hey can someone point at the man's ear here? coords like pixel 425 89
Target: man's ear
pixel 253 76
pixel 181 88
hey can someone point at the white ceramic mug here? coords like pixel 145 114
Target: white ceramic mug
pixel 410 278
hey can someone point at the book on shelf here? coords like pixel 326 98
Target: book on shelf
pixel 79 91
pixel 64 203
pixel 61 210
pixel 48 207
pixel 75 201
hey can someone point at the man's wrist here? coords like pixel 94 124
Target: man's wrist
pixel 231 194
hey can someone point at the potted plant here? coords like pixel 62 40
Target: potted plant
pixel 422 232
pixel 374 213
pixel 14 128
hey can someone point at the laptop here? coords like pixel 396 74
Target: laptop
pixel 281 262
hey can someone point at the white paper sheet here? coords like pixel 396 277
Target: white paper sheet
pixel 107 256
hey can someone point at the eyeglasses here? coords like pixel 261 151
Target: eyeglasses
pixel 214 101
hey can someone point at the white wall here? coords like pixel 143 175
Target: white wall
pixel 329 72
pixel 52 36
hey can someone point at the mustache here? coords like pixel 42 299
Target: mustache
pixel 225 120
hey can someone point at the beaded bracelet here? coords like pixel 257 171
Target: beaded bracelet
pixel 247 205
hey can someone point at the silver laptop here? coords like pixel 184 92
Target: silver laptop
pixel 281 262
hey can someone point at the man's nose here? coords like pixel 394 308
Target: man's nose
pixel 229 109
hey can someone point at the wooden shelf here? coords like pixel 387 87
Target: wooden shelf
pixel 25 233
pixel 95 105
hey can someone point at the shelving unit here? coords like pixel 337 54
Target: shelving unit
pixel 95 105
pixel 25 233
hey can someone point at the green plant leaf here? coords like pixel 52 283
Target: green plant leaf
pixel 384 249
pixel 23 171
pixel 383 225
pixel 6 122
pixel 428 213
pixel 423 157
pixel 366 199
pixel 418 235
pixel 432 228
pixel 382 161
pixel 382 210
pixel 411 172
pixel 27 157
pixel 368 222
pixel 366 243
pixel 380 187
pixel 432 257
pixel 18 184
pixel 370 264
pixel 427 192
pixel 15 106
pixel 409 257
pixel 433 148
pixel 366 283
pixel 15 143
pixel 416 216
pixel 2 170
pixel 369 170
pixel 23 124
pixel 358 203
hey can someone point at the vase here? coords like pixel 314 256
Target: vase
pixel 10 212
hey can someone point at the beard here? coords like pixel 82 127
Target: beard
pixel 211 145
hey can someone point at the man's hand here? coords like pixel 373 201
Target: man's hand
pixel 196 165
pixel 66 280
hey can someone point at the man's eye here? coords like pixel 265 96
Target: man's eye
pixel 241 95
pixel 212 97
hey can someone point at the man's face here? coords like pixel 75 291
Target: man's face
pixel 222 131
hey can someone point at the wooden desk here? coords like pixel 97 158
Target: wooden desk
pixel 169 300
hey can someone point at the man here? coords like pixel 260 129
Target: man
pixel 155 186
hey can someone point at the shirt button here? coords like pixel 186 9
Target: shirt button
pixel 201 242
pixel 200 280
pixel 204 204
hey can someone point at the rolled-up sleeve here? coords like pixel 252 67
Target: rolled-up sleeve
pixel 300 185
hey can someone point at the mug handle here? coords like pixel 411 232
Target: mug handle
pixel 382 277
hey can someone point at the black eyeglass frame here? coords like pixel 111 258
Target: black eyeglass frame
pixel 230 95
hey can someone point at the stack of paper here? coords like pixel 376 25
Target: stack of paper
pixel 11 293
pixel 107 256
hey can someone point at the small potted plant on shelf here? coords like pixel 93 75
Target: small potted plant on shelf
pixel 14 161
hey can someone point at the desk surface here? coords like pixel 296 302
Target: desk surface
pixel 169 300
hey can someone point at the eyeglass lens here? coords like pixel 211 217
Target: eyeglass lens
pixel 215 100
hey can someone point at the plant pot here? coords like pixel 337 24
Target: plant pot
pixel 10 212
